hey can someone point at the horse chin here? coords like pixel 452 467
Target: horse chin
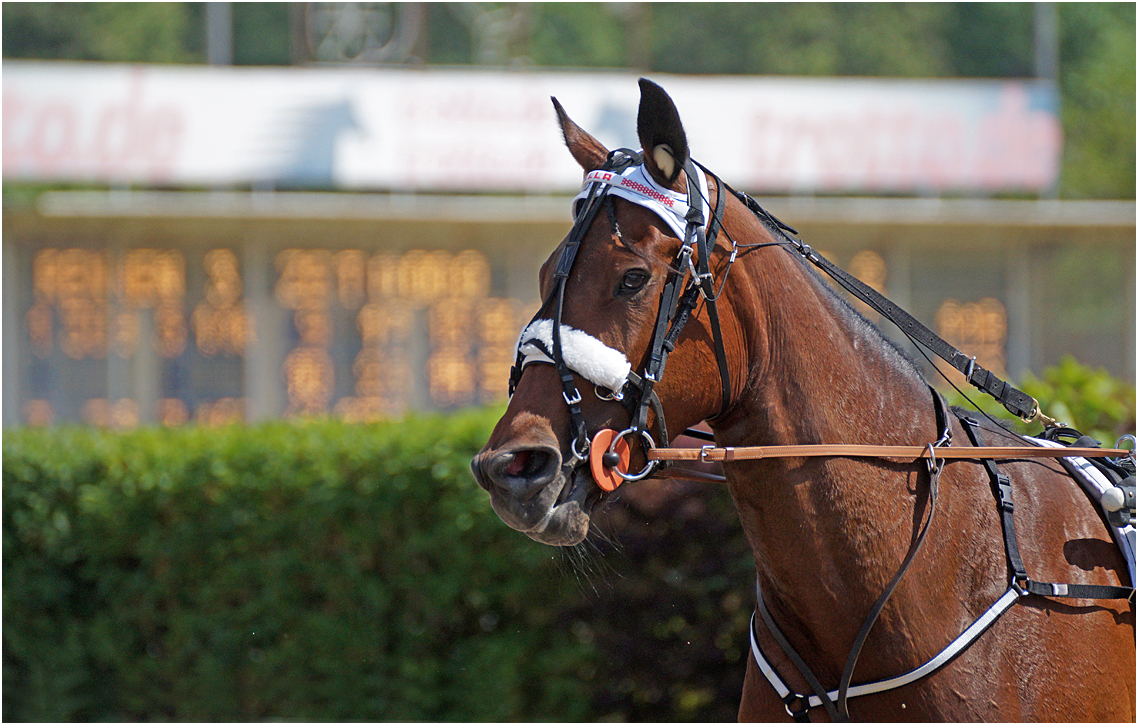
pixel 565 519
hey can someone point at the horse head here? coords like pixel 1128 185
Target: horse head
pixel 612 290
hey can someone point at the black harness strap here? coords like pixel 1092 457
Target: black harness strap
pixel 677 302
pixel 1017 402
pixel 799 664
pixel 934 479
pixel 704 278
pixel 1002 488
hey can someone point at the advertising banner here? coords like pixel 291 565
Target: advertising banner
pixel 495 131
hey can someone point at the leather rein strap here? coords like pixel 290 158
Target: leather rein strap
pixel 905 453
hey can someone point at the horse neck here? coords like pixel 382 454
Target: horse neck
pixel 818 372
pixel 825 532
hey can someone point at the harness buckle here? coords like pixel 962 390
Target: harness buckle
pixel 706 285
pixel 571 400
pixel 932 462
pixel 1004 485
pixel 703 453
pixel 945 438
pixel 691 263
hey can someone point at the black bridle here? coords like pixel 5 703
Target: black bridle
pixel 689 279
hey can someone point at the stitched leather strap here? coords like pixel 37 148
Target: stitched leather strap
pixel 904 453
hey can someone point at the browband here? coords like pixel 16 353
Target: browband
pixel 636 185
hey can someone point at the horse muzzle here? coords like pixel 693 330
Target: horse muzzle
pixel 533 492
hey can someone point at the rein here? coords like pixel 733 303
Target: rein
pixel 688 280
pixel 728 454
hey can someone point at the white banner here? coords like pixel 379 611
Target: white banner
pixel 459 130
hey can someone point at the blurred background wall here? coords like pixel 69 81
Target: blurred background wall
pixel 217 212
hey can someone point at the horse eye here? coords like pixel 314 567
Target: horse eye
pixel 633 280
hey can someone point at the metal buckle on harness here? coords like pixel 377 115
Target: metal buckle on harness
pixel 1037 414
pixel 1133 447
pixel 611 396
pixel 703 281
pixel 574 400
pixel 691 260
pixel 932 462
pixel 1021 588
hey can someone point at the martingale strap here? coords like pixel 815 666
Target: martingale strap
pixel 954 648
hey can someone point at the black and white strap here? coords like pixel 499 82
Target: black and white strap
pixel 954 648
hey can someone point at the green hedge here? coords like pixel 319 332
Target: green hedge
pixel 313 571
pixel 325 571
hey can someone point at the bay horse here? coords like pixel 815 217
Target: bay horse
pixel 772 355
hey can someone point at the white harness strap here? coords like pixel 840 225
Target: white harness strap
pixel 954 648
pixel 583 354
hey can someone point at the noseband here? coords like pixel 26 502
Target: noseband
pixel 689 278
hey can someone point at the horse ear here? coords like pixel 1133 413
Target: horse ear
pixel 661 134
pixel 589 152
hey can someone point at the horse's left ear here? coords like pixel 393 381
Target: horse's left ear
pixel 661 134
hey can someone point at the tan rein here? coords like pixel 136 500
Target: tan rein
pixel 907 453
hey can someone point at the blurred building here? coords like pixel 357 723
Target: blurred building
pixel 360 242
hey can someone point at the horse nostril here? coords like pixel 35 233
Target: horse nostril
pixel 519 472
pixel 525 467
pixel 527 464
